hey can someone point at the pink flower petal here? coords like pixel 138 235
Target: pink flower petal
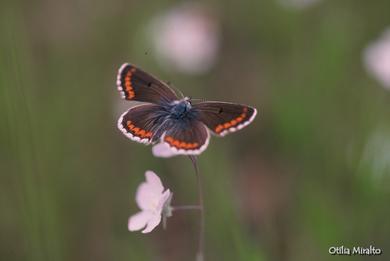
pixel 153 180
pixel 152 223
pixel 149 193
pixel 377 59
pixel 147 197
pixel 162 150
pixel 139 220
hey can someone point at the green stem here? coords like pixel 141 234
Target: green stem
pixel 196 207
pixel 200 254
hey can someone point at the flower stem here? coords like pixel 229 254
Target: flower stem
pixel 186 207
pixel 200 254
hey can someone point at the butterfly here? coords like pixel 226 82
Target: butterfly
pixel 180 124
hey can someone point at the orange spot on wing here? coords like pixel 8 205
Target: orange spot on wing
pixel 127 84
pixel 138 131
pixel 180 144
pixel 219 128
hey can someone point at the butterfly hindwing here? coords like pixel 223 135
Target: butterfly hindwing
pixel 223 117
pixel 189 139
pixel 140 123
pixel 137 85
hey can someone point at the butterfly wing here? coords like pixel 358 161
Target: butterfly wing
pixel 137 85
pixel 190 138
pixel 223 117
pixel 141 123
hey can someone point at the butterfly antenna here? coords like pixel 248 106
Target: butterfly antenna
pixel 199 100
pixel 176 90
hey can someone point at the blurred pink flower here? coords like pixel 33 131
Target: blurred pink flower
pixel 377 59
pixel 186 38
pixel 153 203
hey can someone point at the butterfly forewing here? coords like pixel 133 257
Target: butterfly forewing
pixel 137 85
pixel 223 117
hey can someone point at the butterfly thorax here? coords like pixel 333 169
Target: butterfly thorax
pixel 181 110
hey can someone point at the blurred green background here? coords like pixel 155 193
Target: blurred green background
pixel 312 171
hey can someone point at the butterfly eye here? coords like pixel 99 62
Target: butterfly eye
pixel 220 110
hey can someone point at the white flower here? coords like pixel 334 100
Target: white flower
pixel 377 59
pixel 186 39
pixel 163 150
pixel 153 202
